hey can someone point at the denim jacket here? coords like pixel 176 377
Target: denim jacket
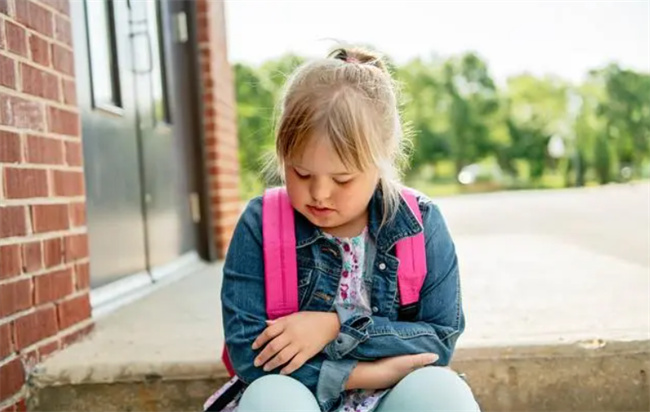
pixel 435 328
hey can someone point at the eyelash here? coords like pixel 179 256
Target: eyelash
pixel 303 177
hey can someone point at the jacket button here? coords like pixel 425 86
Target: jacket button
pixel 375 309
pixel 382 266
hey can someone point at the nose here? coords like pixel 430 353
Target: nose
pixel 320 190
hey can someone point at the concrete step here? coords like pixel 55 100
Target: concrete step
pixel 162 352
pixel 560 378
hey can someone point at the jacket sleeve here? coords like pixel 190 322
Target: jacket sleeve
pixel 244 315
pixel 440 319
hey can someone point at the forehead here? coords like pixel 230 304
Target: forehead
pixel 319 156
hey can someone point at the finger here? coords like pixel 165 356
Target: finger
pixel 271 349
pixel 286 355
pixel 269 333
pixel 423 359
pixel 295 364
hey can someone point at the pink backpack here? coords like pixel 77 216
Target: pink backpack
pixel 280 263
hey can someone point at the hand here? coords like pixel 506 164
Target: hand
pixel 387 372
pixel 295 339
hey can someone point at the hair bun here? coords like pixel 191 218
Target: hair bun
pixel 359 56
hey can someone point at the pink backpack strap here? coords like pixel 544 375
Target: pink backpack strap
pixel 280 261
pixel 412 268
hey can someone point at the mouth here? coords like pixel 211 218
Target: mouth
pixel 319 211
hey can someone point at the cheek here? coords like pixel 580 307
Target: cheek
pixel 355 197
pixel 296 188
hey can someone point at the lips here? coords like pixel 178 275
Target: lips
pixel 319 211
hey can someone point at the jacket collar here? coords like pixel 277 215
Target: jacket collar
pixel 403 224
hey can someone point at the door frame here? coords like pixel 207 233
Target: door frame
pixel 206 242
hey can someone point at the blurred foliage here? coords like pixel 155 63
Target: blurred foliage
pixel 461 120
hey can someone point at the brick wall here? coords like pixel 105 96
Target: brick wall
pixel 220 122
pixel 44 266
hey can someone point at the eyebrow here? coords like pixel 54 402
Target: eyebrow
pixel 333 174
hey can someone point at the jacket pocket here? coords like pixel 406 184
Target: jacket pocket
pixel 305 286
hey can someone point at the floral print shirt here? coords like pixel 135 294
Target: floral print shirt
pixel 353 298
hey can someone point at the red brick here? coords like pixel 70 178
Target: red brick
pixel 16 39
pixel 2 34
pixel 53 252
pixel 32 255
pixel 75 336
pixel 10 261
pixel 203 25
pixel 201 7
pixel 35 327
pixel 21 113
pixel 62 30
pixel 63 121
pixel 50 218
pixel 35 17
pixel 30 359
pixel 68 183
pixel 82 276
pixel 39 83
pixel 12 378
pixel 40 49
pixel 53 286
pixel 44 150
pixel 15 296
pixel 73 154
pixel 9 147
pixel 7 72
pixel 21 406
pixel 6 342
pixel 25 183
pixel 69 92
pixel 59 5
pixel 62 60
pixel 45 350
pixel 76 247
pixel 77 214
pixel 12 221
pixel 73 311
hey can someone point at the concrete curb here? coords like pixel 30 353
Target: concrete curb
pixel 595 376
pixel 609 376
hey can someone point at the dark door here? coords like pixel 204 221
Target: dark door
pixel 164 131
pixel 137 136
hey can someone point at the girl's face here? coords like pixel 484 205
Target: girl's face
pixel 327 193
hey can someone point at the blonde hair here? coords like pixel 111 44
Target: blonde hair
pixel 351 99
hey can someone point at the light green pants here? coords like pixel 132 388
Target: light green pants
pixel 425 390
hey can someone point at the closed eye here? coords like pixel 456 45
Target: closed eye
pixel 300 176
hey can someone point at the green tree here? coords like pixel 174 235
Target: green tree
pixel 626 112
pixel 590 133
pixel 254 117
pixel 425 113
pixel 472 101
pixel 537 110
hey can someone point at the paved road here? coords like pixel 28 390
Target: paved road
pixel 612 220
pixel 546 267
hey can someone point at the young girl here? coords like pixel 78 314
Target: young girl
pixel 338 144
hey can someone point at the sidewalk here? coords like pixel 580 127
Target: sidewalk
pixel 521 306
